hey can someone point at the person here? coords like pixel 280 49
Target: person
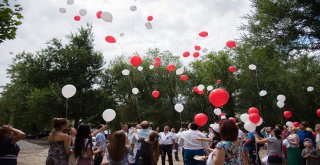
pixel 227 150
pixel 83 146
pixel 192 146
pixel 59 150
pixel 9 148
pixel 132 155
pixel 265 132
pixel 149 150
pixel 125 128
pixel 309 153
pixel 303 133
pixel 274 145
pixel 175 137
pixel 166 144
pixel 317 132
pixel 139 137
pixel 293 151
pixel 72 132
pixel 250 147
pixel 100 142
pixel 117 150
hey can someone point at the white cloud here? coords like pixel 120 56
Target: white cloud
pixel 176 25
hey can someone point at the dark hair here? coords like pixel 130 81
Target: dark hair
pixel 80 146
pixel 57 123
pixel 99 126
pixel 155 152
pixel 5 133
pixel 277 133
pixel 117 146
pixel 144 125
pixel 305 123
pixel 228 130
pixel 194 126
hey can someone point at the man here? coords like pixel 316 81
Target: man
pixel 303 133
pixel 139 136
pixel 192 146
pixel 166 144
pixel 250 146
pixel 100 142
pixel 125 128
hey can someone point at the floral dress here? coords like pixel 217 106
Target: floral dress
pixel 231 152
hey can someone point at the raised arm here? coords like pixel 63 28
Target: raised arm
pixel 18 134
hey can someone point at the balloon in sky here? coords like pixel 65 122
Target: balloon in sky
pixel 135 60
pixel 260 122
pixel 219 81
pixel 62 10
pixel 157 63
pixel 148 25
pixel 252 67
pixel 296 124
pixel 150 18
pixel 107 16
pixel 203 34
pixel 200 119
pixel 77 18
pixel 125 72
pixel 217 111
pixel 204 50
pixel 253 110
pixel 197 47
pixel 171 67
pixel 135 91
pixel 318 112
pixel 232 69
pixel 184 77
pixel 70 2
pixel 83 12
pixel 151 67
pixel 210 88
pixel 157 59
pixel 108 115
pixel 254 118
pixel 281 98
pixel 133 8
pixel 68 91
pixel 155 94
pixel 196 54
pixel 244 118
pixel 98 14
pixel 280 104
pixel 250 126
pixel 179 71
pixel 121 34
pixel 263 93
pixel 287 114
pixel 179 107
pixel 186 54
pixel 201 87
pixel 289 124
pixel 140 68
pixel 231 44
pixel 218 97
pixel 110 39
pixel 310 89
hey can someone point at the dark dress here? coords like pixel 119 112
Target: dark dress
pixel 56 155
pixel 145 154
pixel 8 152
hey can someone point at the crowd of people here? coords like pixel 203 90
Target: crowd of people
pixel 226 143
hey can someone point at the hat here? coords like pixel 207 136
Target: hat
pixel 215 127
pixel 307 139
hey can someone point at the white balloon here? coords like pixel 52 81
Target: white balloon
pixel 263 93
pixel 260 122
pixel 68 91
pixel 133 8
pixel 210 88
pixel 125 72
pixel 107 16
pixel 121 34
pixel 140 68
pixel 70 2
pixel 244 118
pixel 215 127
pixel 179 71
pixel 252 67
pixel 108 115
pixel 281 98
pixel 148 25
pixel 217 111
pixel 179 107
pixel 289 124
pixel 135 91
pixel 83 12
pixel 62 10
pixel 151 67
pixel 201 87
pixel 310 89
pixel 250 126
pixel 223 117
pixel 204 50
pixel 280 104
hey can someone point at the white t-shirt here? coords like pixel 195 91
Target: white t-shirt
pixel 188 140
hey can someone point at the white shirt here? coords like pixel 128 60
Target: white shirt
pixel 188 140
pixel 166 138
pixel 176 137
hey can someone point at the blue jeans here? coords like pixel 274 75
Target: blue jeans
pixel 189 154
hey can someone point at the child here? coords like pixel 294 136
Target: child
pixel 309 153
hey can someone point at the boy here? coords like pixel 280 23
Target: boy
pixel 309 153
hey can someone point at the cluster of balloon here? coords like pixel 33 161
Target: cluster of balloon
pixel 310 89
pixel 231 44
pixel 184 77
pixel 186 54
pixel 292 124
pixel 281 99
pixel 68 91
pixel 287 114
pixel 135 60
pixel 171 67
pixel 232 69
pixel 108 115
pixel 318 112
pixel 155 94
pixel 179 107
pixel 200 119
pixel 218 97
pixel 110 39
pixel 251 119
pixel 157 62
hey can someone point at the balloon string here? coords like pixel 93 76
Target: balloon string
pixel 136 100
pixel 258 87
pixel 66 108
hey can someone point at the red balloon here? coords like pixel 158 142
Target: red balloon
pixel 219 81
pixel 98 14
pixel 201 92
pixel 296 124
pixel 253 110
pixel 218 97
pixel 171 67
pixel 203 34
pixel 77 18
pixel 232 69
pixel 135 60
pixel 254 118
pixel 157 59
pixel 186 54
pixel 156 64
pixel 195 89
pixel 200 119
pixel 155 94
pixel 196 54
pixel 222 114
pixel 287 114
pixel 184 77
pixel 110 39
pixel 149 18
pixel 231 44
pixel 233 119
pixel 318 112
pixel 197 47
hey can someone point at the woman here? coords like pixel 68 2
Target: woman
pixel 317 129
pixel 150 150
pixel 293 151
pixel 72 132
pixel 59 143
pixel 117 149
pixel 227 150
pixel 83 146
pixel 8 147
pixel 274 144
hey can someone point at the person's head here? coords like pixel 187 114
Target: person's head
pixel 117 146
pixel 125 127
pixel 83 133
pixel 138 126
pixel 144 125
pixel 303 125
pixel 279 126
pixel 293 130
pixel 228 130
pixel 60 124
pixel 317 128
pixel 72 131
pixel 154 141
pixel 307 143
pixel 276 132
pixel 173 130
pixel 166 129
pixel 194 126
pixel 5 133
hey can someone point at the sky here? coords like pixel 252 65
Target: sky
pixel 176 25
